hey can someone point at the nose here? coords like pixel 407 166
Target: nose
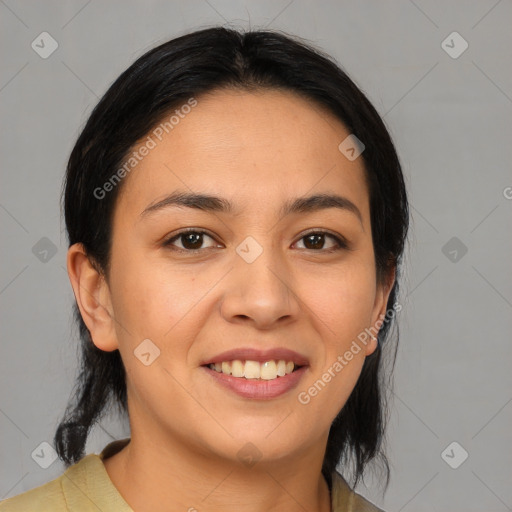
pixel 260 292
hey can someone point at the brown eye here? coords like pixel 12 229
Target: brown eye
pixel 315 241
pixel 190 240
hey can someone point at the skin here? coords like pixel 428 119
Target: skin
pixel 257 149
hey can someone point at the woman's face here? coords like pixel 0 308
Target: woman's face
pixel 252 283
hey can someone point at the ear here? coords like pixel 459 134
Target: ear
pixel 92 295
pixel 379 308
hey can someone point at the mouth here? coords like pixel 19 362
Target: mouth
pixel 257 374
pixel 255 370
pixel 249 386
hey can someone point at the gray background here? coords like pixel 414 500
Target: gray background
pixel 451 120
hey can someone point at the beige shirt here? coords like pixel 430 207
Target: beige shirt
pixel 86 486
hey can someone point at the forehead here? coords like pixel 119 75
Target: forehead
pixel 255 148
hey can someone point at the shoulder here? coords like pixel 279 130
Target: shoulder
pixel 46 497
pixel 344 499
pixel 84 486
pixel 54 495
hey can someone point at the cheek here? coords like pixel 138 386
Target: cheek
pixel 153 301
pixel 342 303
pixel 344 300
pixel 156 305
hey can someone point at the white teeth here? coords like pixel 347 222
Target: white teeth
pixel 269 370
pixel 281 368
pixel 252 370
pixel 237 368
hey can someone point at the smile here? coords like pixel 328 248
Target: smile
pixel 252 387
pixel 268 370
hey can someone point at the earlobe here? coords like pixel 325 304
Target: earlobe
pixel 92 295
pixel 380 309
pixel 371 347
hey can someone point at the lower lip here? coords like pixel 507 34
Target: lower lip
pixel 256 388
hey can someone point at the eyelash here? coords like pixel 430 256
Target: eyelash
pixel 340 241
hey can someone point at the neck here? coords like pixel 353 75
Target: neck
pixel 154 475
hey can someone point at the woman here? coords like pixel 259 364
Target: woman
pixel 236 215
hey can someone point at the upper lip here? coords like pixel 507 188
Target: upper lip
pixel 253 354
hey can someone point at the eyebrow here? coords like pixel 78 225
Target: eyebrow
pixel 210 203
